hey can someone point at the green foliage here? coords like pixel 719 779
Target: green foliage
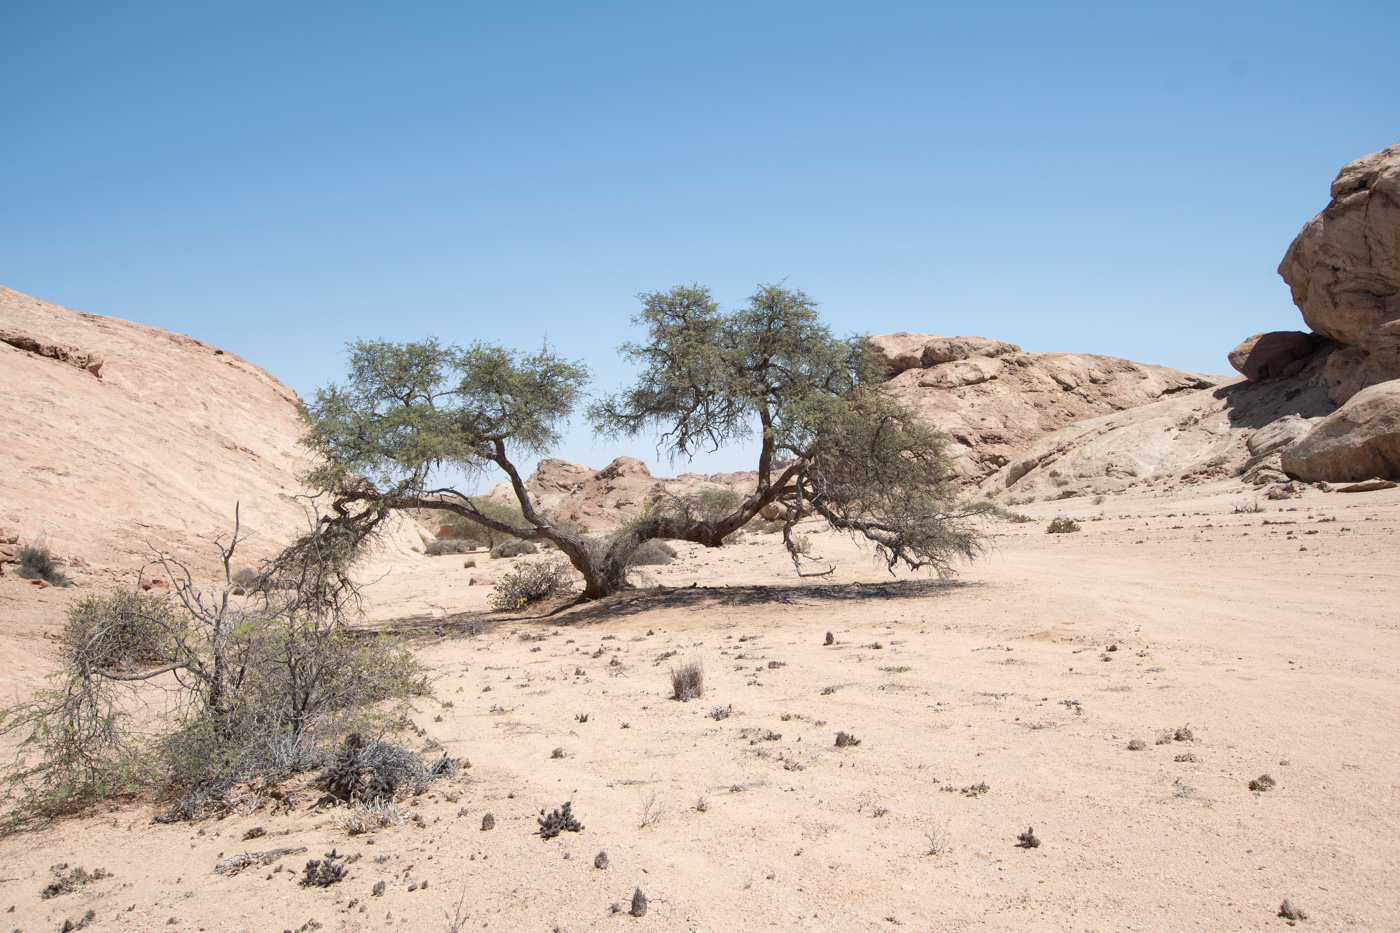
pixel 713 504
pixel 513 547
pixel 1062 526
pixel 408 409
pixel 36 563
pixel 473 531
pixel 448 546
pixel 654 551
pixel 851 453
pixel 832 442
pixel 530 583
pixel 119 631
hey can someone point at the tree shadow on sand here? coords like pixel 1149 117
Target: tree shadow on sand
pixel 572 611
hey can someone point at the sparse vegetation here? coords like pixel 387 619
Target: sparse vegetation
pixel 1262 783
pixel 1028 839
pixel 558 821
pixel 324 872
pixel 1136 745
pixel 513 547
pixel 36 563
pixel 530 583
pixel 262 685
pixel 66 881
pixel 1061 526
pixel 448 546
pixel 639 904
pixel 1291 912
pixel 687 681
pixel 654 551
pixel 846 740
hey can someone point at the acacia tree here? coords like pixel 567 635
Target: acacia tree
pixel 832 442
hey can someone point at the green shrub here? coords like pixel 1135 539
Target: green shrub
pixel 1062 526
pixel 532 582
pixel 654 551
pixel 513 548
pixel 448 546
pixel 713 504
pixel 36 563
pixel 119 631
pixel 465 529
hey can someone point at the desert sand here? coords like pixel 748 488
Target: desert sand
pixel 1272 636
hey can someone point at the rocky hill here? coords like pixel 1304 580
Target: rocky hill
pixel 1317 406
pixel 122 438
pixel 996 400
pixel 600 500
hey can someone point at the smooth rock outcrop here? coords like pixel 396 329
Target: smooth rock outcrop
pixel 1358 441
pixel 600 500
pixel 995 400
pixel 121 439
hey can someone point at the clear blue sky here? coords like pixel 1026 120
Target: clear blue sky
pixel 279 178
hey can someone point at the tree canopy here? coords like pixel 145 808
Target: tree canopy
pixel 833 442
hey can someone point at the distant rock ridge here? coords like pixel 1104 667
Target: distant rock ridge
pixel 601 500
pixel 995 400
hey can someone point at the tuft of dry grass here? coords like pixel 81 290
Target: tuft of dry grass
pixel 687 681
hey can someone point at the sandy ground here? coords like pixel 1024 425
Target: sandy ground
pixel 1273 636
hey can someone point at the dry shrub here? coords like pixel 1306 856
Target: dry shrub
pixel 531 583
pixel 687 681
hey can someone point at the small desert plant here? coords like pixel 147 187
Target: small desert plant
pixel 1028 839
pixel 322 873
pixel 488 822
pixel 1019 518
pixel 66 882
pixel 1262 783
pixel 830 639
pixel 36 563
pixel 531 583
pixel 652 811
pixel 1291 911
pixel 846 740
pixel 513 548
pixel 600 861
pixel 1248 508
pixel 654 551
pixel 1062 526
pixel 721 712
pixel 1136 745
pixel 687 681
pixel 639 904
pixel 559 821
pixel 937 842
pixel 367 817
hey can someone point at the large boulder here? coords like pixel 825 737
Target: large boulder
pixel 1344 266
pixel 1267 356
pixel 1358 441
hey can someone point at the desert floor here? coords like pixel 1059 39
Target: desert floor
pixel 1273 636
